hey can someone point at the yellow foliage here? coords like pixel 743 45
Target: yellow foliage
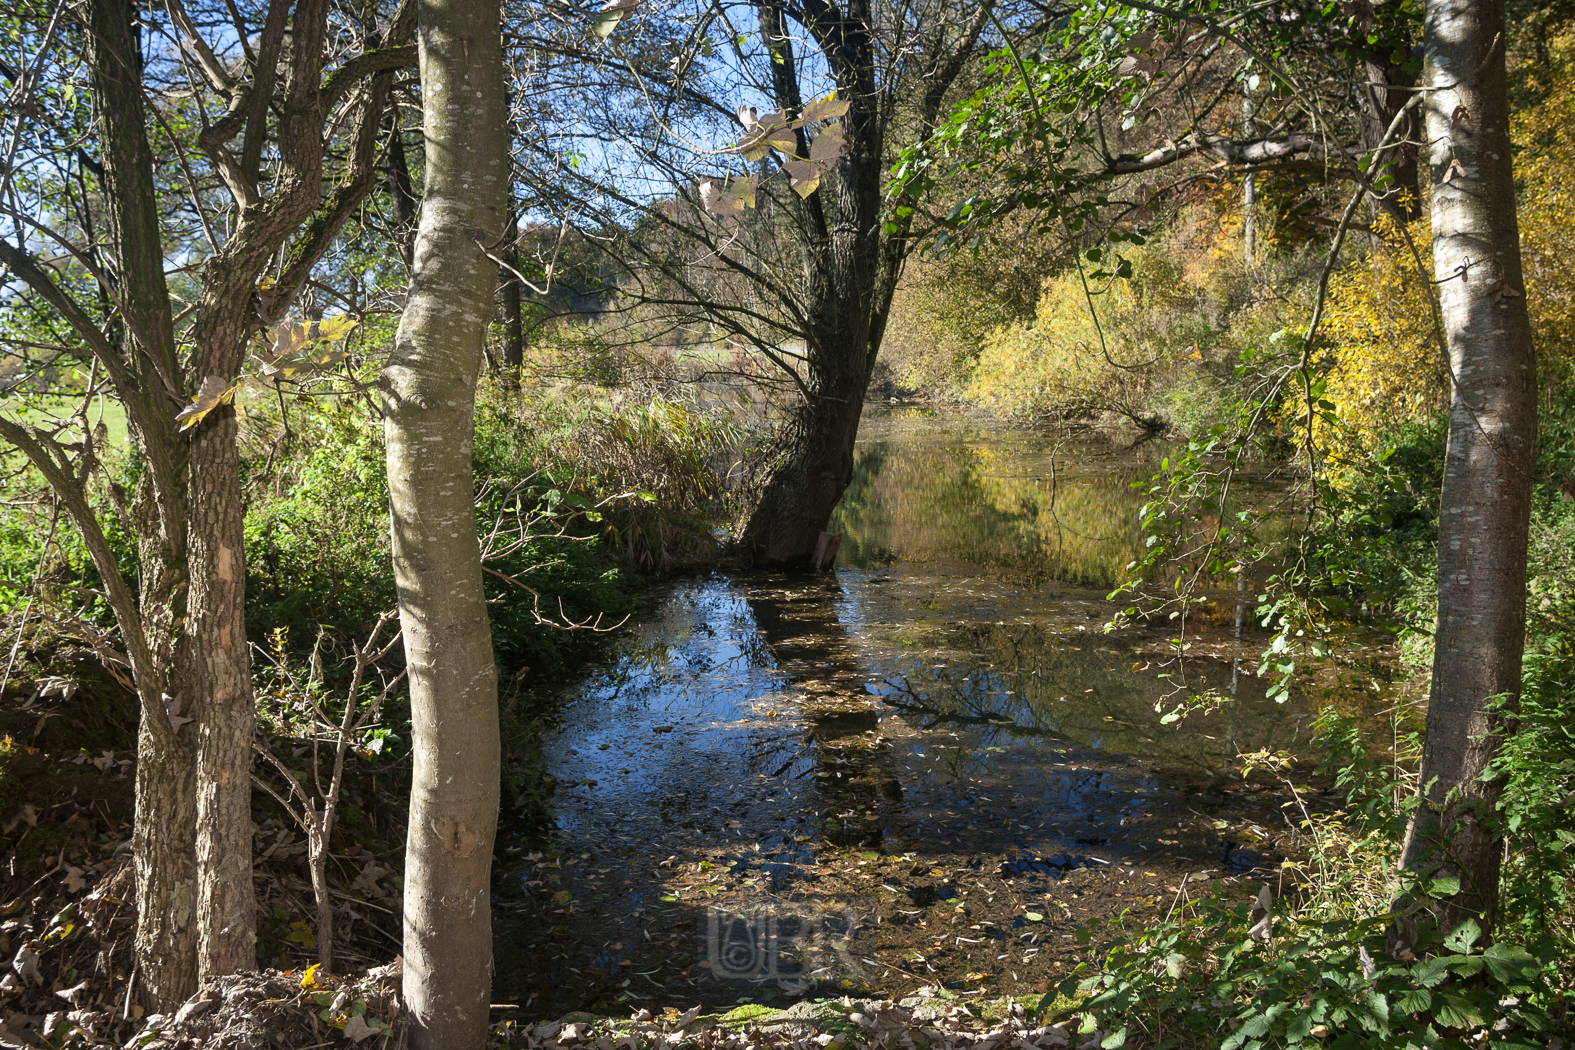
pixel 1066 365
pixel 1385 367
pixel 1544 161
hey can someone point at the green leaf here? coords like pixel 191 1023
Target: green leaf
pixel 1456 1011
pixel 1510 962
pixel 1411 1001
pixel 1462 937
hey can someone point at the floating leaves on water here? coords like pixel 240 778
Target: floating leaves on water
pixel 213 393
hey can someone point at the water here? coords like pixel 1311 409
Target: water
pixel 933 737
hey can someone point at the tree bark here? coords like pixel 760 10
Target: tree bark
pixel 1388 89
pixel 852 264
pixel 1485 505
pixel 164 827
pixel 429 400
pixel 511 294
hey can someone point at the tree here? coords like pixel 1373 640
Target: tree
pixel 1486 498
pixel 429 388
pixel 779 237
pixel 102 292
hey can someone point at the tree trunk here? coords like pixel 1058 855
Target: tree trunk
pixel 852 262
pixel 1389 88
pixel 1486 498
pixel 164 827
pixel 797 501
pixel 513 307
pixel 221 701
pixel 401 193
pixel 429 400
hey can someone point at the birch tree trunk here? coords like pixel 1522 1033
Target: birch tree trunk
pixel 1487 475
pixel 429 400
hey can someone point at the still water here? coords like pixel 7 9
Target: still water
pixel 946 696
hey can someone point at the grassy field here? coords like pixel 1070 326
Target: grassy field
pixel 39 410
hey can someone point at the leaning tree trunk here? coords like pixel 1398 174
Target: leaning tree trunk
pixel 1486 498
pixel 429 402
pixel 844 300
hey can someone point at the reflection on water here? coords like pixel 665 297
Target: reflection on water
pixel 1023 505
pixel 955 614
pixel 946 690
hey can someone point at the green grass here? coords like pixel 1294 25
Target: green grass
pixel 40 409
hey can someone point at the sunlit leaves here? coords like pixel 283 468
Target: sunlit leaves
pixel 804 175
pixel 295 349
pixel 210 395
pixel 727 198
pixel 823 109
pixel 764 134
pixel 612 12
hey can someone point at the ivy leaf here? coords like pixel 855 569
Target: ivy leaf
pixel 210 396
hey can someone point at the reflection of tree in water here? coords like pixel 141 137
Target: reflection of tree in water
pixel 1014 510
pixel 1005 682
pixel 859 790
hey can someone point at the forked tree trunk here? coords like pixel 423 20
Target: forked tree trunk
pixel 429 402
pixel 1486 499
pixel 165 824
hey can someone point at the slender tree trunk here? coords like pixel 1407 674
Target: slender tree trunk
pixel 429 388
pixel 1249 190
pixel 513 316
pixel 1486 497
pixel 400 191
pixel 1388 89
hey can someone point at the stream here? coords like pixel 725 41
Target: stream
pixel 929 766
